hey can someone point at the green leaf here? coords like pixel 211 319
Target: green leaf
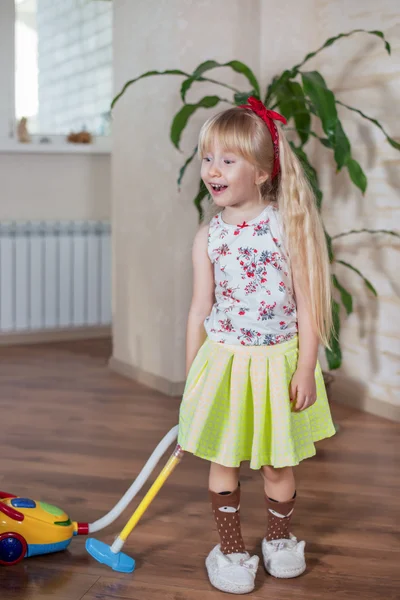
pixel 276 83
pixel 319 195
pixel 323 101
pixel 201 194
pixel 236 65
pixel 332 40
pixel 270 90
pixel 209 80
pixel 334 355
pixel 325 142
pixel 329 246
pixel 323 98
pixel 357 175
pixel 310 132
pixel 286 100
pixel 181 118
pixel 148 74
pixel 303 123
pixel 309 171
pixel 380 34
pixel 342 147
pixel 366 281
pixel 347 299
pixel 292 103
pixel 391 141
pixel 312 109
pixel 241 97
pixel 183 169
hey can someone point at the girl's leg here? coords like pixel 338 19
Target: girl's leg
pixel 280 495
pixel 230 568
pixel 283 555
pixel 224 490
pixel 223 478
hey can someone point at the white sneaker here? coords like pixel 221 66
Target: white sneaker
pixel 233 573
pixel 284 558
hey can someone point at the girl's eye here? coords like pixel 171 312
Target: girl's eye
pixel 206 159
pixel 228 162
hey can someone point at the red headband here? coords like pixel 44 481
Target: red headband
pixel 268 116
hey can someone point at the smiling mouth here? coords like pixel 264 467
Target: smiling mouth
pixel 217 187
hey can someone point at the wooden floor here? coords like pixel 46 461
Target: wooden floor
pixel 75 434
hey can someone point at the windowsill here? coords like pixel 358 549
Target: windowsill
pixel 101 145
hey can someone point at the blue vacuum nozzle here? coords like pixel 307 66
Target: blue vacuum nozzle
pixel 102 553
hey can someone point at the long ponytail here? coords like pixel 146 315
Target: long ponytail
pixel 305 238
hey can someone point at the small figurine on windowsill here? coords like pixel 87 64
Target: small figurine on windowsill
pixel 82 137
pixel 22 131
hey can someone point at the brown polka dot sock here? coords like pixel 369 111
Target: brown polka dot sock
pixel 226 509
pixel 279 517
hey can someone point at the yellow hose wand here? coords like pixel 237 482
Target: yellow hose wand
pixel 173 462
pixel 112 556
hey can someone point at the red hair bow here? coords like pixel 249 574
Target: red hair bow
pixel 268 116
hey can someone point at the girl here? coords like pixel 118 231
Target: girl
pixel 261 293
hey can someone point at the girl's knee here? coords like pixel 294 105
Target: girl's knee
pixel 223 479
pixel 217 468
pixel 274 475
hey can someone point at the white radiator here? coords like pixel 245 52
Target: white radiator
pixel 54 275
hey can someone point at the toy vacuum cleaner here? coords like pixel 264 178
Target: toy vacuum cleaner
pixel 29 528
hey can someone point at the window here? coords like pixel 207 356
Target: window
pixel 63 60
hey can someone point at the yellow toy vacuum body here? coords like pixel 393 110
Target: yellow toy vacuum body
pixel 29 527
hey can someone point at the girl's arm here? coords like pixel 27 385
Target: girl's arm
pixel 203 296
pixel 303 388
pixel 308 339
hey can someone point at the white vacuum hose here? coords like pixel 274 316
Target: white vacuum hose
pixel 137 484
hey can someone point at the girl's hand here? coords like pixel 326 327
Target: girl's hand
pixel 303 391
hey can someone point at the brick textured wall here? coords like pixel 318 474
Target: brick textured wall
pixel 362 74
pixel 75 64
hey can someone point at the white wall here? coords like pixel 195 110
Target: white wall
pixel 154 225
pixel 362 74
pixel 54 186
pixel 288 30
pixel 7 76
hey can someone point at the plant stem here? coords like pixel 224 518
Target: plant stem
pixel 339 235
pixel 219 83
pixel 391 141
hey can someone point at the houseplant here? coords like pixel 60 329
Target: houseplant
pixel 303 98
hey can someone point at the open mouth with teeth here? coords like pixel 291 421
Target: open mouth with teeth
pixel 217 188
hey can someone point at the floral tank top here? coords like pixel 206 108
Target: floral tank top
pixel 254 297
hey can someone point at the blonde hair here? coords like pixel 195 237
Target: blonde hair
pixel 241 130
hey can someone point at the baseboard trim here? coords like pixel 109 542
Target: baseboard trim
pixel 348 393
pixel 55 335
pixel 156 382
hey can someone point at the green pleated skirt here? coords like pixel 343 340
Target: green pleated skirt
pixel 236 407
